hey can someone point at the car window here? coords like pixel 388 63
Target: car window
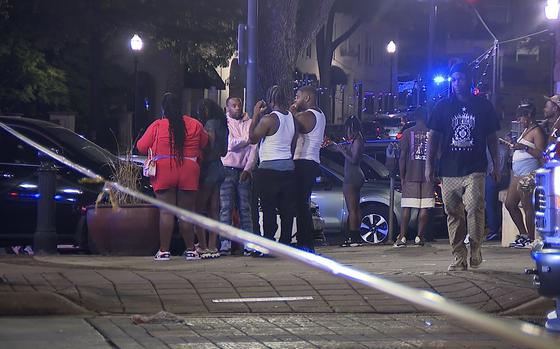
pixel 326 180
pixel 15 151
pixel 373 170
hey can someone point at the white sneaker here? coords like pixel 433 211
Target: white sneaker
pixel 467 241
pixel 225 247
pixel 191 255
pixel 400 242
pixel 162 256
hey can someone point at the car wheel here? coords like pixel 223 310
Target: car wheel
pixel 374 227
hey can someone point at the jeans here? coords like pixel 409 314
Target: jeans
pixel 306 172
pixel 276 190
pixel 492 209
pixel 236 194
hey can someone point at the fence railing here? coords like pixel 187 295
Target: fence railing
pixel 515 331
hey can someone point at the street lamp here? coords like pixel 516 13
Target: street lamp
pixel 391 49
pixel 136 45
pixel 551 9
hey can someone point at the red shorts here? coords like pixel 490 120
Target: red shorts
pixel 171 175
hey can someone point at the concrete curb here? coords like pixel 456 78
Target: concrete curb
pixel 38 303
pixel 538 306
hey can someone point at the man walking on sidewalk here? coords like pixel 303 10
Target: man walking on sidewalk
pixel 463 125
pixel 275 179
pixel 311 125
pixel 238 163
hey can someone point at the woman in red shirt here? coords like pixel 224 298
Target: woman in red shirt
pixel 176 141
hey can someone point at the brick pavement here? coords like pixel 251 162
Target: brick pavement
pixel 247 331
pixel 128 285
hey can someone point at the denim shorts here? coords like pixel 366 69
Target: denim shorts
pixel 525 166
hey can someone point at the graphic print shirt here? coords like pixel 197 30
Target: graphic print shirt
pixel 414 148
pixel 464 127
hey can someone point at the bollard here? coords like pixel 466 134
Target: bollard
pixel 45 239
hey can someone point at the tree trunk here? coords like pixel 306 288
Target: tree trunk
pixel 285 27
pixel 276 46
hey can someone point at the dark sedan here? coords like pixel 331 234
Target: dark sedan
pixel 19 185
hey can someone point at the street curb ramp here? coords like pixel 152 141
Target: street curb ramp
pixel 37 304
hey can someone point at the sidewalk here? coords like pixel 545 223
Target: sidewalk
pixel 278 331
pixel 83 284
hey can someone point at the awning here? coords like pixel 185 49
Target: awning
pixel 203 79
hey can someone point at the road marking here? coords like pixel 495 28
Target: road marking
pixel 262 299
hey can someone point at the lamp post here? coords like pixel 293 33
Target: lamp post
pixel 552 13
pixel 136 45
pixel 552 9
pixel 391 49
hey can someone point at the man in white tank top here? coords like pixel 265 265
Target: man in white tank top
pixel 311 126
pixel 275 179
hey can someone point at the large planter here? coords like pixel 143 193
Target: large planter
pixel 125 231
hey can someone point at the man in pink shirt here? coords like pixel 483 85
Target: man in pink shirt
pixel 238 163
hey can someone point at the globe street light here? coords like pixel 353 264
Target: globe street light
pixel 551 9
pixel 136 45
pixel 391 49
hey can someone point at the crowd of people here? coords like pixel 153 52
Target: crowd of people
pixel 460 145
pixel 224 162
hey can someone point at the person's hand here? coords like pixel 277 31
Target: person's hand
pixel 244 176
pixel 496 175
pixel 518 146
pixel 259 108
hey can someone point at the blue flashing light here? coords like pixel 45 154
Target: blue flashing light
pixel 440 79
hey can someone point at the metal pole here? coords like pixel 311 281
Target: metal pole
pixel 431 35
pixel 391 75
pixel 391 205
pixel 252 10
pixel 133 122
pixel 44 239
pixel 495 73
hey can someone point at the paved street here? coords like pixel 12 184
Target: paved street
pixel 94 298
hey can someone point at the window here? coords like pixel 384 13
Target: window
pixel 308 51
pixel 15 151
pixel 369 51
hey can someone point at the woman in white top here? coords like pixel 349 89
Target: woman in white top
pixel 527 157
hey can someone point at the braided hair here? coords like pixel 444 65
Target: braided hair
pixel 177 130
pixel 276 96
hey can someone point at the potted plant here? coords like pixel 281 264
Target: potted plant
pixel 119 224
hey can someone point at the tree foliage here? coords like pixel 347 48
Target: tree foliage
pixel 56 51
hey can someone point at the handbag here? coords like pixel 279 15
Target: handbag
pixel 149 166
pixel 527 183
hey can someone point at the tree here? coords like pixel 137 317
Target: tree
pixel 67 41
pixel 326 44
pixel 286 27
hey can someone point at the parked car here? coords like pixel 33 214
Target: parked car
pixel 374 201
pixel 19 191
